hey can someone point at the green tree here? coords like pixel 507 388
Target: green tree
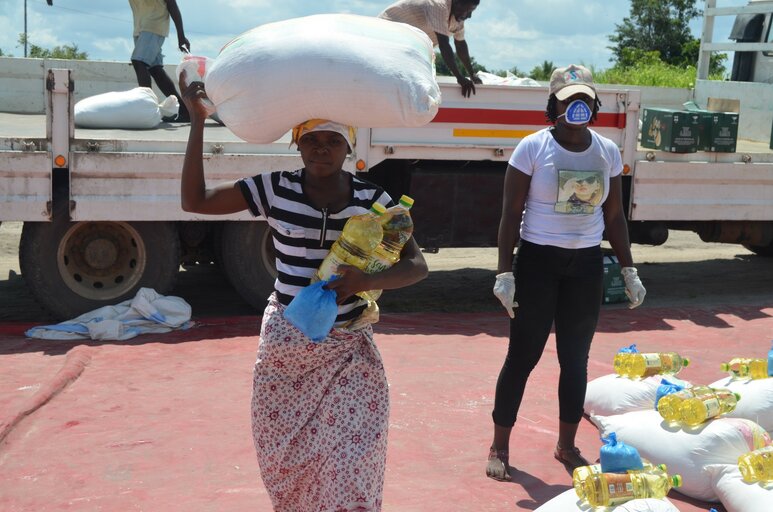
pixel 655 25
pixel 690 52
pixel 543 71
pixel 442 70
pixel 67 51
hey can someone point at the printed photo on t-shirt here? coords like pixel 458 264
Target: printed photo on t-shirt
pixel 579 192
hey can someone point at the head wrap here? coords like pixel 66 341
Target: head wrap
pixel 320 125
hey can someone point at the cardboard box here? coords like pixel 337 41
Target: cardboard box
pixel 718 131
pixel 675 131
pixel 614 285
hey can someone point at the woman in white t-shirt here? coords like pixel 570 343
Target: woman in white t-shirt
pixel 563 188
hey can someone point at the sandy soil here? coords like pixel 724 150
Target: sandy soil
pixel 683 272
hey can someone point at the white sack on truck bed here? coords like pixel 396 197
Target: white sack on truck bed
pixel 135 109
pixel 356 70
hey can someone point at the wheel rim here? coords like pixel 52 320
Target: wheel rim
pixel 101 260
pixel 268 253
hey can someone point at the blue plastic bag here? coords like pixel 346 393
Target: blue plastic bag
pixel 313 311
pixel 631 349
pixel 666 388
pixel 618 457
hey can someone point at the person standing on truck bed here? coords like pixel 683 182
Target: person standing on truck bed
pixel 320 411
pixel 151 27
pixel 441 19
pixel 556 275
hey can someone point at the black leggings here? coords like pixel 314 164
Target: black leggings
pixel 552 284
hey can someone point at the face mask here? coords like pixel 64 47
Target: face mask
pixel 578 112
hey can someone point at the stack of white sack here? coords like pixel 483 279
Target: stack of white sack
pixel 568 501
pixel 508 79
pixel 355 70
pixel 686 451
pixel 612 394
pixel 736 494
pixel 756 401
pixel 135 109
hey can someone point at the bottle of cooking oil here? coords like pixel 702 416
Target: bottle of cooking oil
pixel 582 473
pixel 398 228
pixel 755 369
pixel 734 366
pixel 647 364
pixel 612 489
pixel 620 362
pixel 698 409
pixel 359 238
pixel 669 406
pixel 757 466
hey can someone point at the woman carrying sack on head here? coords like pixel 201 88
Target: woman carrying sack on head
pixel 563 189
pixel 319 410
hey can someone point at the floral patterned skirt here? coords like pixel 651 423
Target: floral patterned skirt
pixel 320 413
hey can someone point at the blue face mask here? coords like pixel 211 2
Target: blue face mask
pixel 578 112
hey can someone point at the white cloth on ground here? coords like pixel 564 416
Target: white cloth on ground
pixel 148 312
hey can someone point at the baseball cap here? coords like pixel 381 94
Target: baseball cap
pixel 571 80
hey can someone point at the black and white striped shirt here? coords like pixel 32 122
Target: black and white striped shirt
pixel 303 235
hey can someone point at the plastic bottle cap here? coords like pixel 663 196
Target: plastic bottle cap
pixel 685 362
pixel 724 367
pixel 737 396
pixel 676 480
pixel 378 209
pixel 663 467
pixel 406 201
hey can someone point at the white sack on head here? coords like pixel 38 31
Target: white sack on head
pixel 355 70
pixel 756 401
pixel 686 451
pixel 136 109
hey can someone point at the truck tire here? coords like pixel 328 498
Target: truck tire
pixel 247 252
pixel 75 267
pixel 761 250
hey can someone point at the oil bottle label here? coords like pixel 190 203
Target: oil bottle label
pixel 620 488
pixel 712 407
pixel 376 265
pixel 652 364
pixel 329 266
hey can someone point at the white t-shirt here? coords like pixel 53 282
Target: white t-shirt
pixel 563 205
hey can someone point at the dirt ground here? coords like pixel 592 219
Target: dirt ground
pixel 683 272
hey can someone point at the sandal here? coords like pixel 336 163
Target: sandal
pixel 570 457
pixel 498 466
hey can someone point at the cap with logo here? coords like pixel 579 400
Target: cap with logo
pixel 571 80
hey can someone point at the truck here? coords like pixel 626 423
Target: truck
pixel 101 208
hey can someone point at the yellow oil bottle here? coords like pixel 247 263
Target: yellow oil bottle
pixel 698 409
pixel 612 489
pixel 669 406
pixel 757 466
pixel 359 238
pixel 647 364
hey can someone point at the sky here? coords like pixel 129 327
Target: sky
pixel 501 34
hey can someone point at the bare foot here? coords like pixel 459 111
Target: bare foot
pixel 497 466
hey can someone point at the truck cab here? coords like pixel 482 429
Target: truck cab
pixel 753 27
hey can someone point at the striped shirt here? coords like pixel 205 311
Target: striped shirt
pixel 432 16
pixel 302 234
